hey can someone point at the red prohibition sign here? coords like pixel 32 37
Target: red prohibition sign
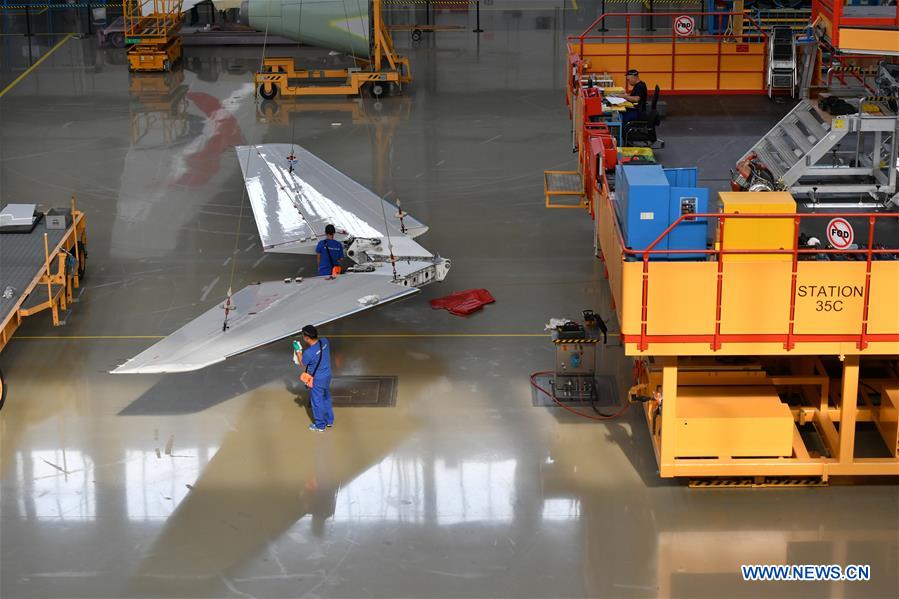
pixel 839 233
pixel 684 25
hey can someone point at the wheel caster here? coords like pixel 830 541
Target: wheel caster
pixel 269 93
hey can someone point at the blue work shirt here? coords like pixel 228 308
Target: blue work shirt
pixel 331 252
pixel 320 371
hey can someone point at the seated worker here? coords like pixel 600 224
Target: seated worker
pixel 330 252
pixel 637 96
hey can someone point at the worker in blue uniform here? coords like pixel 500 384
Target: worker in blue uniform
pixel 330 252
pixel 317 377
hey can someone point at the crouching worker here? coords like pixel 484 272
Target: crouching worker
pixel 330 252
pixel 316 361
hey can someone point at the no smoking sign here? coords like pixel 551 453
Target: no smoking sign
pixel 839 233
pixel 684 25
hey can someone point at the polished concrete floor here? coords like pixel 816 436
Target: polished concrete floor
pixel 209 485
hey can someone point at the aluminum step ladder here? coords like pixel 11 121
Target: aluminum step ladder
pixel 782 71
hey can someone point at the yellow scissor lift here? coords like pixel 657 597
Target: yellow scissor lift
pixel 759 361
pixel 384 69
pixel 152 30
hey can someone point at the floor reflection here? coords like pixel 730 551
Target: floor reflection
pixel 55 484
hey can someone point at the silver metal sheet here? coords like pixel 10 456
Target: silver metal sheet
pixel 292 208
pixel 263 313
pixel 401 246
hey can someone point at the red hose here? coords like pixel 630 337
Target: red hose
pixel 572 410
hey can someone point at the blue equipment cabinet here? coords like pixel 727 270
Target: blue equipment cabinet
pixel 642 194
pixel 686 198
pixel 650 198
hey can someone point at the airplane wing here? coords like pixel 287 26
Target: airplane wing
pixel 262 313
pixel 292 207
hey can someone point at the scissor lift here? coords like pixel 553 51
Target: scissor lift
pixel 40 271
pixel 152 31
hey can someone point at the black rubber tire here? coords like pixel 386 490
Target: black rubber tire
pixel 269 109
pixel 416 35
pixel 270 96
pixel 117 40
pixel 82 261
pixel 3 388
pixel 377 90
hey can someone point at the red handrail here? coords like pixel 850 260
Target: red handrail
pixel 758 30
pixel 715 340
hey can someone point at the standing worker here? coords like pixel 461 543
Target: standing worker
pixel 317 377
pixel 637 96
pixel 330 252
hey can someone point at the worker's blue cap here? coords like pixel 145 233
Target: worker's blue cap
pixel 633 73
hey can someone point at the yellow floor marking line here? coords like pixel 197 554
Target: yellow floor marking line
pixel 334 336
pixel 36 64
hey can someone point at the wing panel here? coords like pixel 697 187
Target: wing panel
pixel 294 207
pixel 262 313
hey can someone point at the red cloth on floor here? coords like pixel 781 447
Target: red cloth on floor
pixel 463 303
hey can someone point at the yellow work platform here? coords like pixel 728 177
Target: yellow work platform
pixel 798 323
pixel 746 300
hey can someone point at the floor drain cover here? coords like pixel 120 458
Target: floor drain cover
pixel 364 391
pixel 605 385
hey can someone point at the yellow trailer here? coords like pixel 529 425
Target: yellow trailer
pixel 379 72
pixel 40 271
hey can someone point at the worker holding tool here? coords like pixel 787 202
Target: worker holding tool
pixel 330 252
pixel 316 361
pixel 637 97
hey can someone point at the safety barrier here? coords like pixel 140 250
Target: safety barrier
pixel 870 29
pixel 754 302
pixel 683 61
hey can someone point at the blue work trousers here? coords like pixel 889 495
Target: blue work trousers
pixel 322 411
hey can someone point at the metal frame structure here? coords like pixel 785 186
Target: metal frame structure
pixel 874 33
pixel 823 405
pixel 702 63
pixel 152 31
pixel 773 390
pixel 385 68
pixel 782 73
pixel 802 152
pixel 800 355
pixel 51 277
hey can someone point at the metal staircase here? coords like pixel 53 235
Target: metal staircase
pixel 789 141
pixel 815 154
pixel 781 61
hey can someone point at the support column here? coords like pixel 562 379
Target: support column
pixel 669 414
pixel 848 409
